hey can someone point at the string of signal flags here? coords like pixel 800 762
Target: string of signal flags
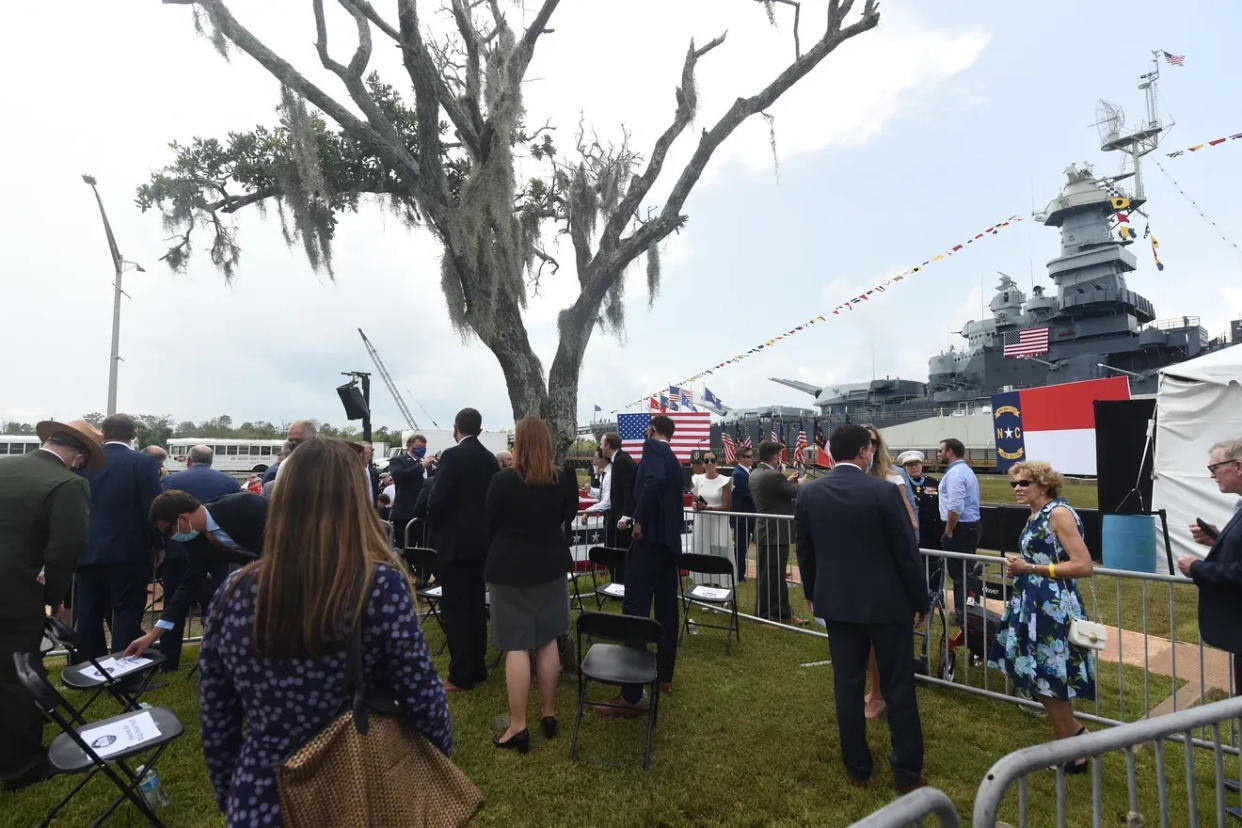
pixel 847 305
pixel 1195 148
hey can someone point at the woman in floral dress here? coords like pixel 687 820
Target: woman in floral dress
pixel 1032 644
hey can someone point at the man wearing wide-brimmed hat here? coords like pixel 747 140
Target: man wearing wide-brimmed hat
pixel 44 510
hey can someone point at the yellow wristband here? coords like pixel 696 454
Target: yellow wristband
pixel 1052 570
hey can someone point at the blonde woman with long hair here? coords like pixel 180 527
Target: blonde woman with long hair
pixel 277 635
pixel 882 468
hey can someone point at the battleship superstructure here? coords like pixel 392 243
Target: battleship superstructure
pixel 1096 325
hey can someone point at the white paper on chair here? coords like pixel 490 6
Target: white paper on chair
pixel 615 589
pixel 711 593
pixel 115 667
pixel 121 734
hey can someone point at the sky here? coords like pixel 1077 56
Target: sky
pixel 947 118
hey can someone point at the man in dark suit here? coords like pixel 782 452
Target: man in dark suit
pixel 742 502
pixel 117 565
pixel 206 484
pixel 862 574
pixel 651 569
pixel 408 475
pixel 1219 575
pixel 459 535
pixel 773 494
pixel 44 512
pixel 621 491
pixel 228 530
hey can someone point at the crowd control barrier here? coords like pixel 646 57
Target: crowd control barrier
pixel 912 809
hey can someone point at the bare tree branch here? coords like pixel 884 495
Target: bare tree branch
pixel 797 7
pixel 525 49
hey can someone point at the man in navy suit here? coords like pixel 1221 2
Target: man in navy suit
pixel 459 535
pixel 1219 575
pixel 651 570
pixel 742 502
pixel 206 484
pixel 117 563
pixel 862 574
pixel 408 475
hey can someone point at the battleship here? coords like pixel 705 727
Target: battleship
pixel 1095 325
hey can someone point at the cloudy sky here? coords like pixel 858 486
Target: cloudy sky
pixel 949 117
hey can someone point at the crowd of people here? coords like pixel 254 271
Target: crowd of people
pixel 308 556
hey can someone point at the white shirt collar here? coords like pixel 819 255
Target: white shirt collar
pixel 117 443
pixel 855 465
pixel 66 465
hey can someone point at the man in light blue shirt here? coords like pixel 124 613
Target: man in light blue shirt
pixel 959 509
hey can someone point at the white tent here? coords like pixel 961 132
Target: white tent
pixel 1199 402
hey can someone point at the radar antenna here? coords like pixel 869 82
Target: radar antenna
pixel 1138 140
pixel 392 387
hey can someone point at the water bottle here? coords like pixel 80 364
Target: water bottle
pixel 152 791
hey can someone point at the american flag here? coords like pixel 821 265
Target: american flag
pixel 1028 342
pixel 799 454
pixel 693 432
pixel 729 451
pixel 1174 60
pixel 747 443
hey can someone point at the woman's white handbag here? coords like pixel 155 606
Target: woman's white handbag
pixel 1088 634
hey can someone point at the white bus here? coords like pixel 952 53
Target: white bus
pixel 18 444
pixel 231 456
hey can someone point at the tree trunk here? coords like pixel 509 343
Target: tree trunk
pixel 519 363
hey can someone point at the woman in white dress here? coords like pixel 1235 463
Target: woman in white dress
pixel 713 492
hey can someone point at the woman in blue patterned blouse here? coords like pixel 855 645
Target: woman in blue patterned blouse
pixel 274 648
pixel 1032 643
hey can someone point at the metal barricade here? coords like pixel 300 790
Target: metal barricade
pixel 912 809
pixel 1175 727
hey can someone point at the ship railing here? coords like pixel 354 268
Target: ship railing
pixel 1172 323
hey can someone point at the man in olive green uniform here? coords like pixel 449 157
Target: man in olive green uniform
pixel 44 510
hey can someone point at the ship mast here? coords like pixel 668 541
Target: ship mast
pixel 1141 139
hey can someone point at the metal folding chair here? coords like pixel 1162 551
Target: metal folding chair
pixel 725 597
pixel 609 557
pixel 420 559
pixel 70 752
pixel 90 675
pixel 618 664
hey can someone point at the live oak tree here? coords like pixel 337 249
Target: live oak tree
pixel 442 148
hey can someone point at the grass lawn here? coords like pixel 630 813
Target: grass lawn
pixel 743 740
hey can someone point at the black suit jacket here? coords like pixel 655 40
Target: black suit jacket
pixel 206 484
pixel 621 490
pixel 455 505
pixel 657 496
pixel 859 560
pixel 526 525
pixel 408 476
pixel 1219 577
pixel 121 494
pixel 241 516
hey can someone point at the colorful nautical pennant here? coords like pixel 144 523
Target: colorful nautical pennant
pixel 1155 254
pixel 1215 142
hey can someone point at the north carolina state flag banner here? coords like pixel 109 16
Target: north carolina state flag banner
pixel 1055 423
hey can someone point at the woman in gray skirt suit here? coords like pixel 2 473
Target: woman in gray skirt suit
pixel 527 507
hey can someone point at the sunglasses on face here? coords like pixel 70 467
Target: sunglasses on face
pixel 1016 483
pixel 709 459
pixel 1214 466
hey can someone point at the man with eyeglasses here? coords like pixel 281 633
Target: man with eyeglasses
pixel 44 514
pixel 743 527
pixel 959 509
pixel 1219 575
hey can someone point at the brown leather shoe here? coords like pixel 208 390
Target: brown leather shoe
pixel 666 687
pixel 906 787
pixel 449 687
pixel 619 708
pixel 857 783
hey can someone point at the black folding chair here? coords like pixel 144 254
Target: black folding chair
pixel 90 675
pixel 724 597
pixel 609 557
pixel 618 664
pixel 71 753
pixel 420 559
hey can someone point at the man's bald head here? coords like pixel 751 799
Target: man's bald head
pixel 300 431
pixel 200 456
pixel 505 459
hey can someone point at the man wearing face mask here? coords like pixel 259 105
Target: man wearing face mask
pixel 228 529
pixel 44 513
pixel 408 475
pixel 118 561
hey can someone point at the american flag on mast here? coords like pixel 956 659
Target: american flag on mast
pixel 1174 60
pixel 692 433
pixel 730 452
pixel 1028 342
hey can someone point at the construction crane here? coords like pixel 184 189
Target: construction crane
pixel 392 387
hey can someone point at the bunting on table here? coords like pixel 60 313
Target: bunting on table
pixel 847 305
pixel 1196 147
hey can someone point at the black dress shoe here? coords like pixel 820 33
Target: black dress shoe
pixel 519 741
pixel 548 723
pixel 38 773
